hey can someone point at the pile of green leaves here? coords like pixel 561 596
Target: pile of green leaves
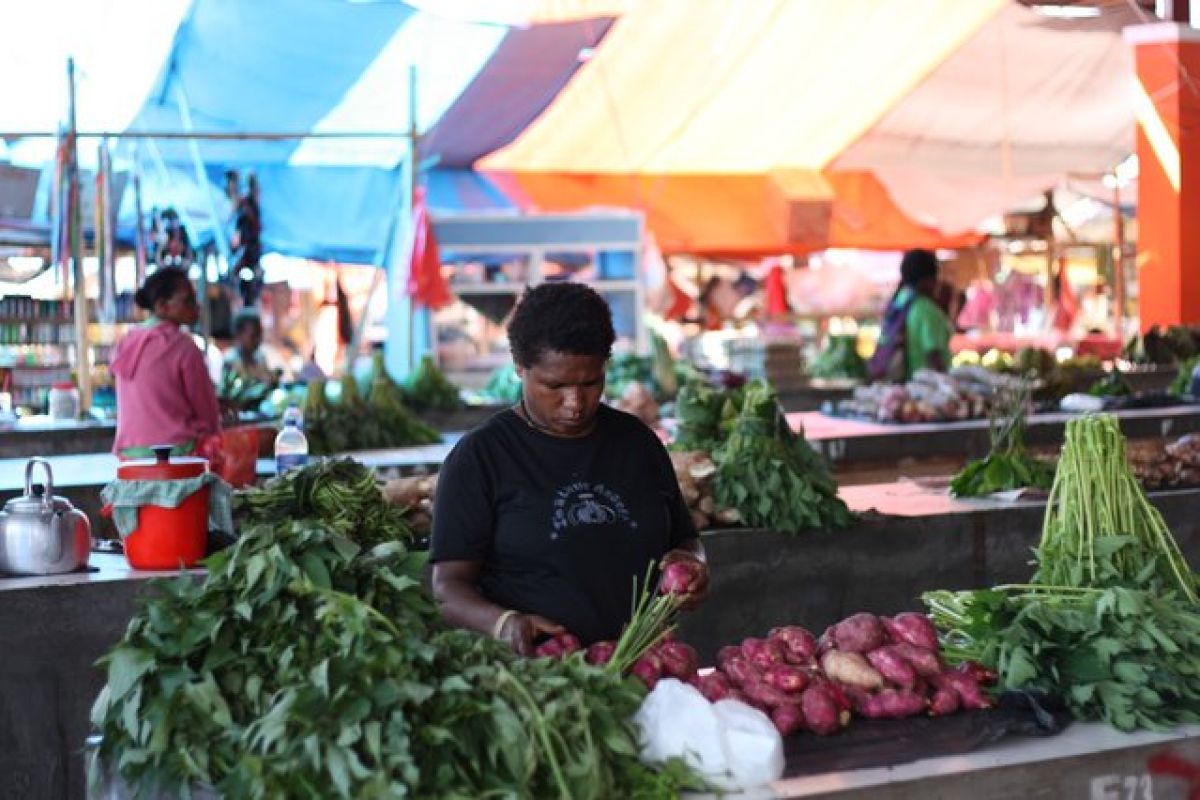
pixel 839 359
pixel 1111 622
pixel 308 663
pixel 1111 385
pixel 1175 345
pixel 1008 464
pixel 427 387
pixel 705 415
pixel 379 422
pixel 1182 385
pixel 340 493
pixel 243 394
pixel 771 475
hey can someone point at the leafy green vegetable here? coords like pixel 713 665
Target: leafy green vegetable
pixel 309 663
pixel 1182 385
pixel 427 388
pixel 772 476
pixel 839 359
pixel 244 394
pixel 1008 465
pixel 1111 385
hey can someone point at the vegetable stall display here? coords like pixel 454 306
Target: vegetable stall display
pixel 966 393
pixel 766 472
pixel 839 359
pixel 380 421
pixel 309 662
pixel 427 387
pixel 1008 465
pixel 1110 620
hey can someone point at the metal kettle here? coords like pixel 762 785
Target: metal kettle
pixel 41 534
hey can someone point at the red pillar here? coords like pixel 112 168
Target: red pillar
pixel 1167 103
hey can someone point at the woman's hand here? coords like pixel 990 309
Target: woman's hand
pixel 698 589
pixel 521 630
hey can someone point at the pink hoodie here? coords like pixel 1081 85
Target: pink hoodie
pixel 164 394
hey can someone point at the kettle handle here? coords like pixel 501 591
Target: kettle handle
pixel 48 497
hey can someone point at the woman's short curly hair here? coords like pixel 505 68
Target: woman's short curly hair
pixel 560 317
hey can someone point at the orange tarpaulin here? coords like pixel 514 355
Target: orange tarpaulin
pixel 743 215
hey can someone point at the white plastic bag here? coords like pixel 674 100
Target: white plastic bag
pixel 731 744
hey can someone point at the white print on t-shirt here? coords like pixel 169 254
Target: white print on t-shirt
pixel 581 503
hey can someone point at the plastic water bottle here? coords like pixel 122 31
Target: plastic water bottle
pixel 291 445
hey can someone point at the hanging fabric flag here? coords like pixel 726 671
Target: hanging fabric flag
pixel 426 284
pixel 776 293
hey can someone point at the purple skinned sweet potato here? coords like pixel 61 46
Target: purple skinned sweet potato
pixel 762 653
pixel 925 662
pixel 860 633
pixel 600 653
pixel 786 678
pixel 648 669
pixel 893 704
pixel 978 673
pixel 741 672
pixel 764 695
pixel 714 686
pixel 970 695
pixel 821 712
pixel 892 666
pixel 788 719
pixel 678 660
pixel 944 701
pixel 913 628
pixel 799 644
pixel 728 652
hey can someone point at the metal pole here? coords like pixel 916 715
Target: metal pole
pixel 410 189
pixel 103 236
pixel 139 246
pixel 1118 262
pixel 83 356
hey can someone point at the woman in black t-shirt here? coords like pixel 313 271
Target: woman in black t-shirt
pixel 547 514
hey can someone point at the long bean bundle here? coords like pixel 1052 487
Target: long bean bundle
pixel 1099 527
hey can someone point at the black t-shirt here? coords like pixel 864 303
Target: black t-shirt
pixel 562 525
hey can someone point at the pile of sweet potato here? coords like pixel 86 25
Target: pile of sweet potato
pixel 694 470
pixel 869 666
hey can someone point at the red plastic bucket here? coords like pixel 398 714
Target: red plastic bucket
pixel 168 538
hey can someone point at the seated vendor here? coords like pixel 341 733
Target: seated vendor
pixel 245 358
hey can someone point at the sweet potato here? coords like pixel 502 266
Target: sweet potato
pixel 851 669
pixel 569 643
pixel 970 695
pixel 762 653
pixel 728 652
pixel 893 704
pixel 944 701
pixel 893 667
pixel 787 719
pixel 647 669
pixel 678 660
pixel 913 628
pixel 800 646
pixel 741 672
pixel 786 678
pixel 821 712
pixel 925 662
pixel 978 673
pixel 551 648
pixel 826 643
pixel 600 653
pixel 860 633
pixel 764 695
pixel 714 686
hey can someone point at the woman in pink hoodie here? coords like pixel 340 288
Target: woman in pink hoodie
pixel 164 394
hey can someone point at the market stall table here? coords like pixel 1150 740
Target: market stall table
pixel 43 436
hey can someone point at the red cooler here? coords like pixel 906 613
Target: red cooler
pixel 168 538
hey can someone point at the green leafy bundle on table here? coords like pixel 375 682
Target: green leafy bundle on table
pixel 379 422
pixel 244 394
pixel 1110 622
pixel 1182 385
pixel 771 475
pixel 1175 345
pixel 309 663
pixel 839 359
pixel 704 414
pixel 427 388
pixel 341 493
pixel 1113 384
pixel 1008 464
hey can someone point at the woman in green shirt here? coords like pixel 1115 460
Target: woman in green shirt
pixel 916 332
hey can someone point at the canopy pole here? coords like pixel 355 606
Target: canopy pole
pixel 1118 261
pixel 185 115
pixel 139 246
pixel 83 371
pixel 410 189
